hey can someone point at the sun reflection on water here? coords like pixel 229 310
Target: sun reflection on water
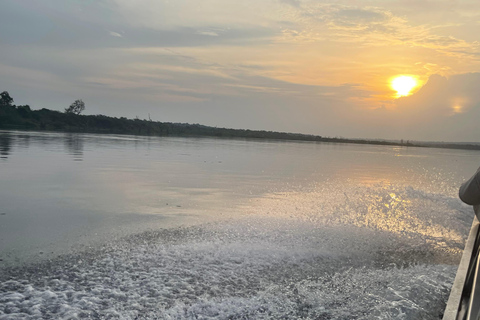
pixel 403 211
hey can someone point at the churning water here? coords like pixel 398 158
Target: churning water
pixel 122 227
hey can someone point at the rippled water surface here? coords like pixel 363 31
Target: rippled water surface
pixel 124 227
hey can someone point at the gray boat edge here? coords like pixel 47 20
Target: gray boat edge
pixel 453 310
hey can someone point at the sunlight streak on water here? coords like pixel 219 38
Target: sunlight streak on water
pixel 404 211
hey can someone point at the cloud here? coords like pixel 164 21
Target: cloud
pixel 441 96
pixel 355 17
pixel 444 109
pixel 372 26
pixel 433 68
pixel 161 15
pixel 208 33
pixel 293 3
pixel 115 34
pixel 91 25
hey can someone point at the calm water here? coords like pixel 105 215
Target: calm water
pixel 124 227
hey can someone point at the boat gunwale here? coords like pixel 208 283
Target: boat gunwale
pixel 459 301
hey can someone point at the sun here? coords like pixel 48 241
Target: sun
pixel 403 85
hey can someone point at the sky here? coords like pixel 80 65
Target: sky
pixel 303 66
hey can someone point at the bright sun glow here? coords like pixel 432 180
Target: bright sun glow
pixel 403 85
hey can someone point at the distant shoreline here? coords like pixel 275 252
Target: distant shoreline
pixel 22 118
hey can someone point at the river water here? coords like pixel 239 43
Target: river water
pixel 126 227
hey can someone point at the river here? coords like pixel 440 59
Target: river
pixel 129 227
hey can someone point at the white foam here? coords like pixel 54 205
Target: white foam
pixel 214 280
pixel 263 266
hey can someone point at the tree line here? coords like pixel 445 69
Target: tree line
pixel 71 120
pixel 22 117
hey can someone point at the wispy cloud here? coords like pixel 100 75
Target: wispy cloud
pixel 208 33
pixel 115 34
pixel 294 3
pixel 371 26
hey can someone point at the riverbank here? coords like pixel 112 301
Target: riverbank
pixel 23 118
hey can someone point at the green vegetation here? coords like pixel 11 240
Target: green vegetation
pixel 23 118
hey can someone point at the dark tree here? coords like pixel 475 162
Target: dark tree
pixel 5 99
pixel 76 107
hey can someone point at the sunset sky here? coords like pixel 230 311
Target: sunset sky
pixel 315 67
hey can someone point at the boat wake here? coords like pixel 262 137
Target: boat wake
pixel 296 265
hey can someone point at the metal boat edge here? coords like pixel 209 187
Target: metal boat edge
pixel 464 300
